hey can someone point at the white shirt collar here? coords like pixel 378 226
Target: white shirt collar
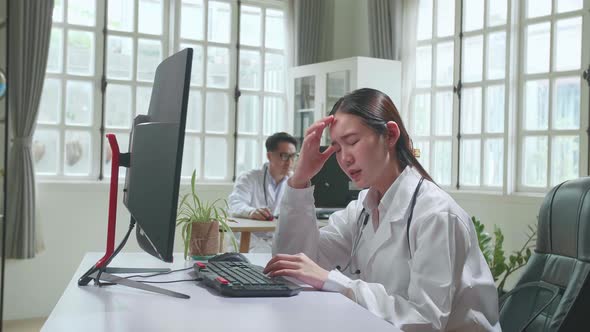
pixel 392 206
pixel 275 185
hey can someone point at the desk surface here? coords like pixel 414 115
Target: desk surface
pixel 252 225
pixel 247 226
pixel 118 308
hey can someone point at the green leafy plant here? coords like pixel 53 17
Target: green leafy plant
pixel 192 209
pixel 491 247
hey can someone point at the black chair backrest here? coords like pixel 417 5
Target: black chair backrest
pixel 554 285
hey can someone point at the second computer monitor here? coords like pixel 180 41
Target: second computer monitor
pixel 333 188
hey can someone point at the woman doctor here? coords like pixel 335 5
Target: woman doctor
pixel 404 250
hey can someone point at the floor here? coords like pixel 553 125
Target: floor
pixel 24 325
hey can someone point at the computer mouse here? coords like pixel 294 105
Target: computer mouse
pixel 230 257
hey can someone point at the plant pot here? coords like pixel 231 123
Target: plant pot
pixel 204 238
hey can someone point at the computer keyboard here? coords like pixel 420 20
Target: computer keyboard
pixel 325 213
pixel 239 279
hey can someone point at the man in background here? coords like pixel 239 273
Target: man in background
pixel 257 193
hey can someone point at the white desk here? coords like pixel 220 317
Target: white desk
pixel 119 308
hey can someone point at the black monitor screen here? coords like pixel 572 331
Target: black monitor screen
pixel 333 188
pixel 156 145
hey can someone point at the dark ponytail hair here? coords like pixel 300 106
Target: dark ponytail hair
pixel 376 109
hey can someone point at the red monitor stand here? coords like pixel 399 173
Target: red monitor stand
pixel 100 271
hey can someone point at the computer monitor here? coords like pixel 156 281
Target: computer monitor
pixel 332 187
pixel 156 145
pixel 152 180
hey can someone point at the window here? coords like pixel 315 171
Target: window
pixel 482 98
pixel 139 35
pixel 207 27
pixel 66 142
pixel 135 46
pixel 551 130
pixel 497 102
pixel 262 106
pixel 431 120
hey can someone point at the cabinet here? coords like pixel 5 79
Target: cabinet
pixel 315 88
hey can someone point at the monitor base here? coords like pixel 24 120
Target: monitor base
pixel 135 270
pixel 113 279
pixel 100 271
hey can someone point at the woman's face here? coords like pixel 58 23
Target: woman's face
pixel 361 153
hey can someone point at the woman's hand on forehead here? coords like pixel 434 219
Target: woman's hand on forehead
pixel 313 135
pixel 320 125
pixel 311 159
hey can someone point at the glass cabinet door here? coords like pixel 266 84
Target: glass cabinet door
pixel 304 105
pixel 337 85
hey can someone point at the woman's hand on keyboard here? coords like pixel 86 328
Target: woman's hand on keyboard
pixel 299 267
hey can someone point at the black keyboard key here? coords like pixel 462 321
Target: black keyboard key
pixel 241 279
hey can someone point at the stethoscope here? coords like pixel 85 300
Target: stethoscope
pixel 264 184
pixel 362 221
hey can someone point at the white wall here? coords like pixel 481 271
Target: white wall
pixel 351 29
pixel 73 218
pixel 512 214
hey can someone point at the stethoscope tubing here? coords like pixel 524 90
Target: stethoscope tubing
pixel 264 184
pixel 362 224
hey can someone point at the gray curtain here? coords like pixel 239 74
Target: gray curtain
pixel 385 28
pixel 29 28
pixel 310 26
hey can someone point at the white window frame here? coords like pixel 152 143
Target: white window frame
pixel 433 42
pixel 514 97
pixel 261 136
pixel 484 84
pixel 133 82
pixel 63 78
pixel 551 76
pixel 171 41
pixel 203 88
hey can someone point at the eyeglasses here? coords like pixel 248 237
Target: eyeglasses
pixel 286 156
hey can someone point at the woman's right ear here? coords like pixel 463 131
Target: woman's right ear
pixel 392 133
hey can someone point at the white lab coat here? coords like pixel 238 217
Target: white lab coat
pixel 248 193
pixel 445 285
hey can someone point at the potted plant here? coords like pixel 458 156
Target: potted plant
pixel 201 223
pixel 500 265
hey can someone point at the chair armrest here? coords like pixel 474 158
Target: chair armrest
pixel 535 284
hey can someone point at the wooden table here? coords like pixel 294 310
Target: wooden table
pixel 247 226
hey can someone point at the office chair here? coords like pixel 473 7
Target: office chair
pixel 553 292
